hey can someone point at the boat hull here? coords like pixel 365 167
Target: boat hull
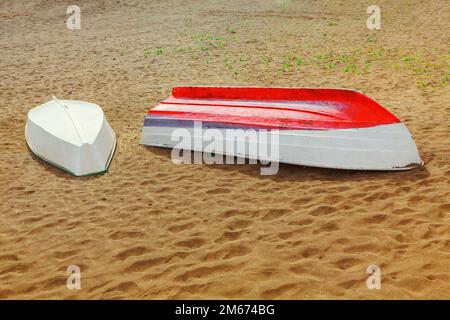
pixel 77 139
pixel 385 147
pixel 329 128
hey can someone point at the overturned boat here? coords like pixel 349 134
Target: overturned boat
pixel 329 128
pixel 71 135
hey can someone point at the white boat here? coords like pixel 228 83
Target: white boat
pixel 328 128
pixel 71 135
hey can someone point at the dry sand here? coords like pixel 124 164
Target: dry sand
pixel 152 229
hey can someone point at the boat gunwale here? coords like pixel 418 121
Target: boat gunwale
pixel 107 164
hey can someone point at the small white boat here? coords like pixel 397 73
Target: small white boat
pixel 71 135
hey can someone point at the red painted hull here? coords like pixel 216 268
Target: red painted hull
pixel 270 108
pixel 328 128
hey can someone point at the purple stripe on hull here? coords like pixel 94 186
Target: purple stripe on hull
pixel 182 123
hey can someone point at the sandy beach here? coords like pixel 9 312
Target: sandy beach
pixel 152 229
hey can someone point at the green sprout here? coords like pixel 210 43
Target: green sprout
pixel 266 60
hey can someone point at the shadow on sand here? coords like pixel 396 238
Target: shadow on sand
pixel 288 172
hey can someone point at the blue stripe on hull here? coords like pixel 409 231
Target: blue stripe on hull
pixel 187 123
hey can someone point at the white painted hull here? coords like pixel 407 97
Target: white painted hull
pixel 383 147
pixel 71 135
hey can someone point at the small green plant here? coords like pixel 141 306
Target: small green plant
pixel 230 64
pixel 286 66
pixel 158 51
pixel 211 38
pixel 146 53
pixel 422 84
pixel 366 66
pixel 376 53
pixel 215 41
pixel 372 39
pixel 243 59
pixel 445 80
pixel 231 30
pixel 331 65
pixel 206 42
pixel 353 68
pixel 289 62
pixel 266 60
pixel 411 58
pixel 420 70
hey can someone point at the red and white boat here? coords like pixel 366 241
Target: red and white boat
pixel 329 128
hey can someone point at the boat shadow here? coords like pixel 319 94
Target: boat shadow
pixel 289 172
